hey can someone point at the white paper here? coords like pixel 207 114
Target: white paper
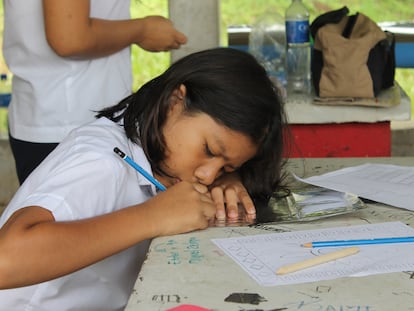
pixel 385 183
pixel 261 255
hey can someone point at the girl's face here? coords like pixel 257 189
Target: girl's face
pixel 199 149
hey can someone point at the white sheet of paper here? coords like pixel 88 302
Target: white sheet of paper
pixel 261 255
pixel 385 183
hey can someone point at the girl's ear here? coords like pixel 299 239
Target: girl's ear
pixel 182 90
pixel 179 93
pixel 177 99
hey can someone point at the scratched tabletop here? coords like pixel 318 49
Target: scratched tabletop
pixel 190 269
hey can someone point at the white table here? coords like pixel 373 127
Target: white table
pixel 190 269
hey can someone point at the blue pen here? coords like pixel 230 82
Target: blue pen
pixel 143 172
pixel 407 239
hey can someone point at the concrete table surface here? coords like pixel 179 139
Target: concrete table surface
pixel 190 269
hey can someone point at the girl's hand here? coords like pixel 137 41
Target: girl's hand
pixel 181 208
pixel 227 193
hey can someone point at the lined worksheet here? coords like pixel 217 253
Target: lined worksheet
pixel 262 255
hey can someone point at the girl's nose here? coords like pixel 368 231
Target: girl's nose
pixel 206 174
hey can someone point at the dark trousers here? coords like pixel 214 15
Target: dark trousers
pixel 28 155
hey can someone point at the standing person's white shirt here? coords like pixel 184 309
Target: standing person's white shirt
pixel 51 94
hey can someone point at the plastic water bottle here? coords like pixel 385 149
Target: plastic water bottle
pixel 5 96
pixel 298 53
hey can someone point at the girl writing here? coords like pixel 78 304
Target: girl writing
pixel 74 235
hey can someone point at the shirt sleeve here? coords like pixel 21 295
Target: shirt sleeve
pixel 82 185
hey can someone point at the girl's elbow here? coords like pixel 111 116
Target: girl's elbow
pixel 12 273
pixel 7 269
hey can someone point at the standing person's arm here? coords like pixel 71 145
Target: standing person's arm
pixel 71 32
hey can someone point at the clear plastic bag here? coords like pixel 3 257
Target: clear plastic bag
pixel 309 203
pixel 267 41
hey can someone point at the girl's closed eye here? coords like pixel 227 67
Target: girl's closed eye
pixel 207 151
pixel 229 169
pixel 210 154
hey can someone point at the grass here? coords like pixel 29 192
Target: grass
pixel 147 65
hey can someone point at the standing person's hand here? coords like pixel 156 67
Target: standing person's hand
pixel 158 34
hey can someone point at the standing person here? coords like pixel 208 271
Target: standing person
pixel 209 129
pixel 69 59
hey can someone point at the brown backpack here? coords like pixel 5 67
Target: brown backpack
pixel 352 56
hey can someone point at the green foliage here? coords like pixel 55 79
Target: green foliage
pixel 147 65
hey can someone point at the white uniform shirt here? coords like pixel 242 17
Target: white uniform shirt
pixel 52 95
pixel 83 178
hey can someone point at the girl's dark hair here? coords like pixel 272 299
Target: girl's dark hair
pixel 232 88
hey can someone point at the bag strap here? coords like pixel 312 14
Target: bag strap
pixel 331 17
pixel 346 33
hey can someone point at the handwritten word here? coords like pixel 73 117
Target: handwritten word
pixel 180 252
pixel 166 298
pixel 320 306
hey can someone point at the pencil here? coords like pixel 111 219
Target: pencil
pixel 317 260
pixel 143 172
pixel 360 242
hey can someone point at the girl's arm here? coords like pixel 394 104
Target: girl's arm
pixel 36 248
pixel 71 32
